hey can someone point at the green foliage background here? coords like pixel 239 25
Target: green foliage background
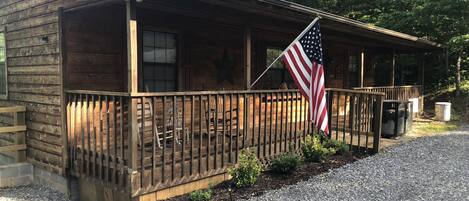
pixel 442 21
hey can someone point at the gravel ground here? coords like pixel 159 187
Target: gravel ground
pixel 31 193
pixel 430 168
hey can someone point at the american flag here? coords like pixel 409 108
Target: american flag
pixel 303 60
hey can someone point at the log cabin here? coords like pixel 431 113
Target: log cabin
pixel 148 99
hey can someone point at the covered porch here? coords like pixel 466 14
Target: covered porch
pixel 157 93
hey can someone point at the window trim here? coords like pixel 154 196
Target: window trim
pixel 5 95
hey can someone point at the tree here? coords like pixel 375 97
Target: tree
pixel 442 21
pixel 459 46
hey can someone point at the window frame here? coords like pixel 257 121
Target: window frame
pixel 5 95
pixel 177 64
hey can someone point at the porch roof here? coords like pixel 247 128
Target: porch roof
pixel 296 12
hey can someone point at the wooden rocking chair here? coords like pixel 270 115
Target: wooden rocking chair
pixel 221 120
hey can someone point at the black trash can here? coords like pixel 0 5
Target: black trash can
pixel 397 118
pixel 409 116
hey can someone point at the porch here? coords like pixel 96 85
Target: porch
pixel 180 137
pixel 156 93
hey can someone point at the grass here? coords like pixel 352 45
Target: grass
pixel 435 127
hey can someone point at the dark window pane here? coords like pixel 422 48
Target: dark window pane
pixel 148 54
pixel 171 56
pixel 159 73
pixel 160 55
pixel 148 39
pixel 160 39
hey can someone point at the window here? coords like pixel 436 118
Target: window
pixel 3 71
pixel 159 61
pixel 278 74
pixel 353 66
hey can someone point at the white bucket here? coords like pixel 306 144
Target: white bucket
pixel 443 111
pixel 415 106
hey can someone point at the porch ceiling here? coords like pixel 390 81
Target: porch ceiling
pixel 332 23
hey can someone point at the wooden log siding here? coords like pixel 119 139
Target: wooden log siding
pixel 185 136
pixel 34 78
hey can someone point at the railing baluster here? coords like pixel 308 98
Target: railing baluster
pixel 208 132
pixel 281 122
pixel 276 123
pixel 142 142
pixel 253 120
pixel 259 119
pixel 337 117
pixel 295 143
pixel 108 140
pixel 352 118
pixel 230 154
pixel 183 131
pixel 271 120
pixel 265 100
pixel 163 155
pixel 114 119
pixel 200 134
pixel 346 97
pixel 238 119
pixel 215 120
pixel 174 131
pixel 223 131
pixel 153 139
pixel 192 108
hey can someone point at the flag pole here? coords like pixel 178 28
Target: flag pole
pixel 285 50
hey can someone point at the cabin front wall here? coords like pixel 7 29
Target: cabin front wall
pixel 210 50
pixel 34 79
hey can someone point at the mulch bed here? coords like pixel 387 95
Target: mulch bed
pixel 271 181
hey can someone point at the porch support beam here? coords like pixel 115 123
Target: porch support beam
pixel 422 59
pixel 132 47
pixel 393 68
pixel 132 87
pixel 362 67
pixel 247 57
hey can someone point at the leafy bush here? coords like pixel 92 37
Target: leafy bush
pixel 247 171
pixel 285 163
pixel 201 195
pixel 313 151
pixel 340 147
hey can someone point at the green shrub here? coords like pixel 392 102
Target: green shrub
pixel 340 147
pixel 285 163
pixel 313 151
pixel 201 195
pixel 247 170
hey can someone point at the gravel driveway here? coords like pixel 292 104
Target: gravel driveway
pixel 430 168
pixel 31 193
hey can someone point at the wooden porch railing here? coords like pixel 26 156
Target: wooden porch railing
pixel 16 145
pixel 399 93
pixel 178 137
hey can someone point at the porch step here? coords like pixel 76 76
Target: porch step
pixel 17 174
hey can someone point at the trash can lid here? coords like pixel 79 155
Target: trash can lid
pixel 443 103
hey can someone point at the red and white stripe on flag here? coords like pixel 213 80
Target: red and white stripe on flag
pixel 304 62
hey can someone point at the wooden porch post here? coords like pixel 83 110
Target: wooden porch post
pixel 422 69
pixel 422 82
pixel 362 66
pixel 132 67
pixel 378 115
pixel 247 57
pixel 393 73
